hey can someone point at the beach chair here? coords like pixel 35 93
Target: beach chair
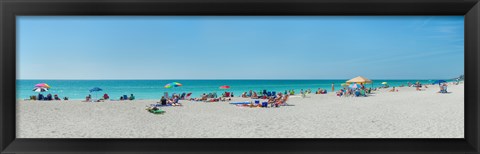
pixel 188 96
pixel 182 96
pixel 227 94
pixel 125 97
pixel 274 93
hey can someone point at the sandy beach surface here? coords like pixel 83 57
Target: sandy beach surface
pixel 404 114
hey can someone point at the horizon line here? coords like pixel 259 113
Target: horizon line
pixel 245 79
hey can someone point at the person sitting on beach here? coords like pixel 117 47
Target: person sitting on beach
pixel 105 96
pixel 56 97
pixel 393 90
pixel 244 95
pixel 40 97
pixel 163 101
pixel 49 97
pixel 271 101
pixel 277 100
pixel 131 97
pixel 88 98
pixel 175 101
pixel 363 92
pixel 204 97
pixel 443 88
pixel 357 93
pixel 282 100
pixel 121 98
pixel 65 98
pixel 254 96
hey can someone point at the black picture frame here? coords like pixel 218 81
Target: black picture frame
pixel 9 9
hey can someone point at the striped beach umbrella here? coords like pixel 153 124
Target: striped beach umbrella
pixel 173 84
pixel 39 89
pixel 42 85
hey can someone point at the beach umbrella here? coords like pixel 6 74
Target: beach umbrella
pixel 42 85
pixel 384 82
pixel 354 86
pixel 359 79
pixel 173 84
pixel 439 81
pixel 225 87
pixel 95 89
pixel 39 89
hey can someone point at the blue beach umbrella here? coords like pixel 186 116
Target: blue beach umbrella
pixel 439 81
pixel 95 89
pixel 354 86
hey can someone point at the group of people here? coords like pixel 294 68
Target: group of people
pixel 277 101
pixel 49 97
pixel 173 101
pixel 354 92
pixel 321 91
pixel 105 96
pixel 212 97
pixel 272 101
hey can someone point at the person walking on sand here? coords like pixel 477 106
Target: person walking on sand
pixel 333 87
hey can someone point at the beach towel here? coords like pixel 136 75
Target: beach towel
pixel 156 111
pixel 236 103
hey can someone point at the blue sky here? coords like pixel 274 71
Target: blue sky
pixel 262 47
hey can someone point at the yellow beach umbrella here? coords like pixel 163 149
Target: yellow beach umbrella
pixel 359 79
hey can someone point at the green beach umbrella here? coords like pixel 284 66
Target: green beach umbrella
pixel 384 82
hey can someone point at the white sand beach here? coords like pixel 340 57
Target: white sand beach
pixel 404 114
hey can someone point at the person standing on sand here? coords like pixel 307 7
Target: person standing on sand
pixel 333 87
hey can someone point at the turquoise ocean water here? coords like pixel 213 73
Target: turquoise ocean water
pixel 154 89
